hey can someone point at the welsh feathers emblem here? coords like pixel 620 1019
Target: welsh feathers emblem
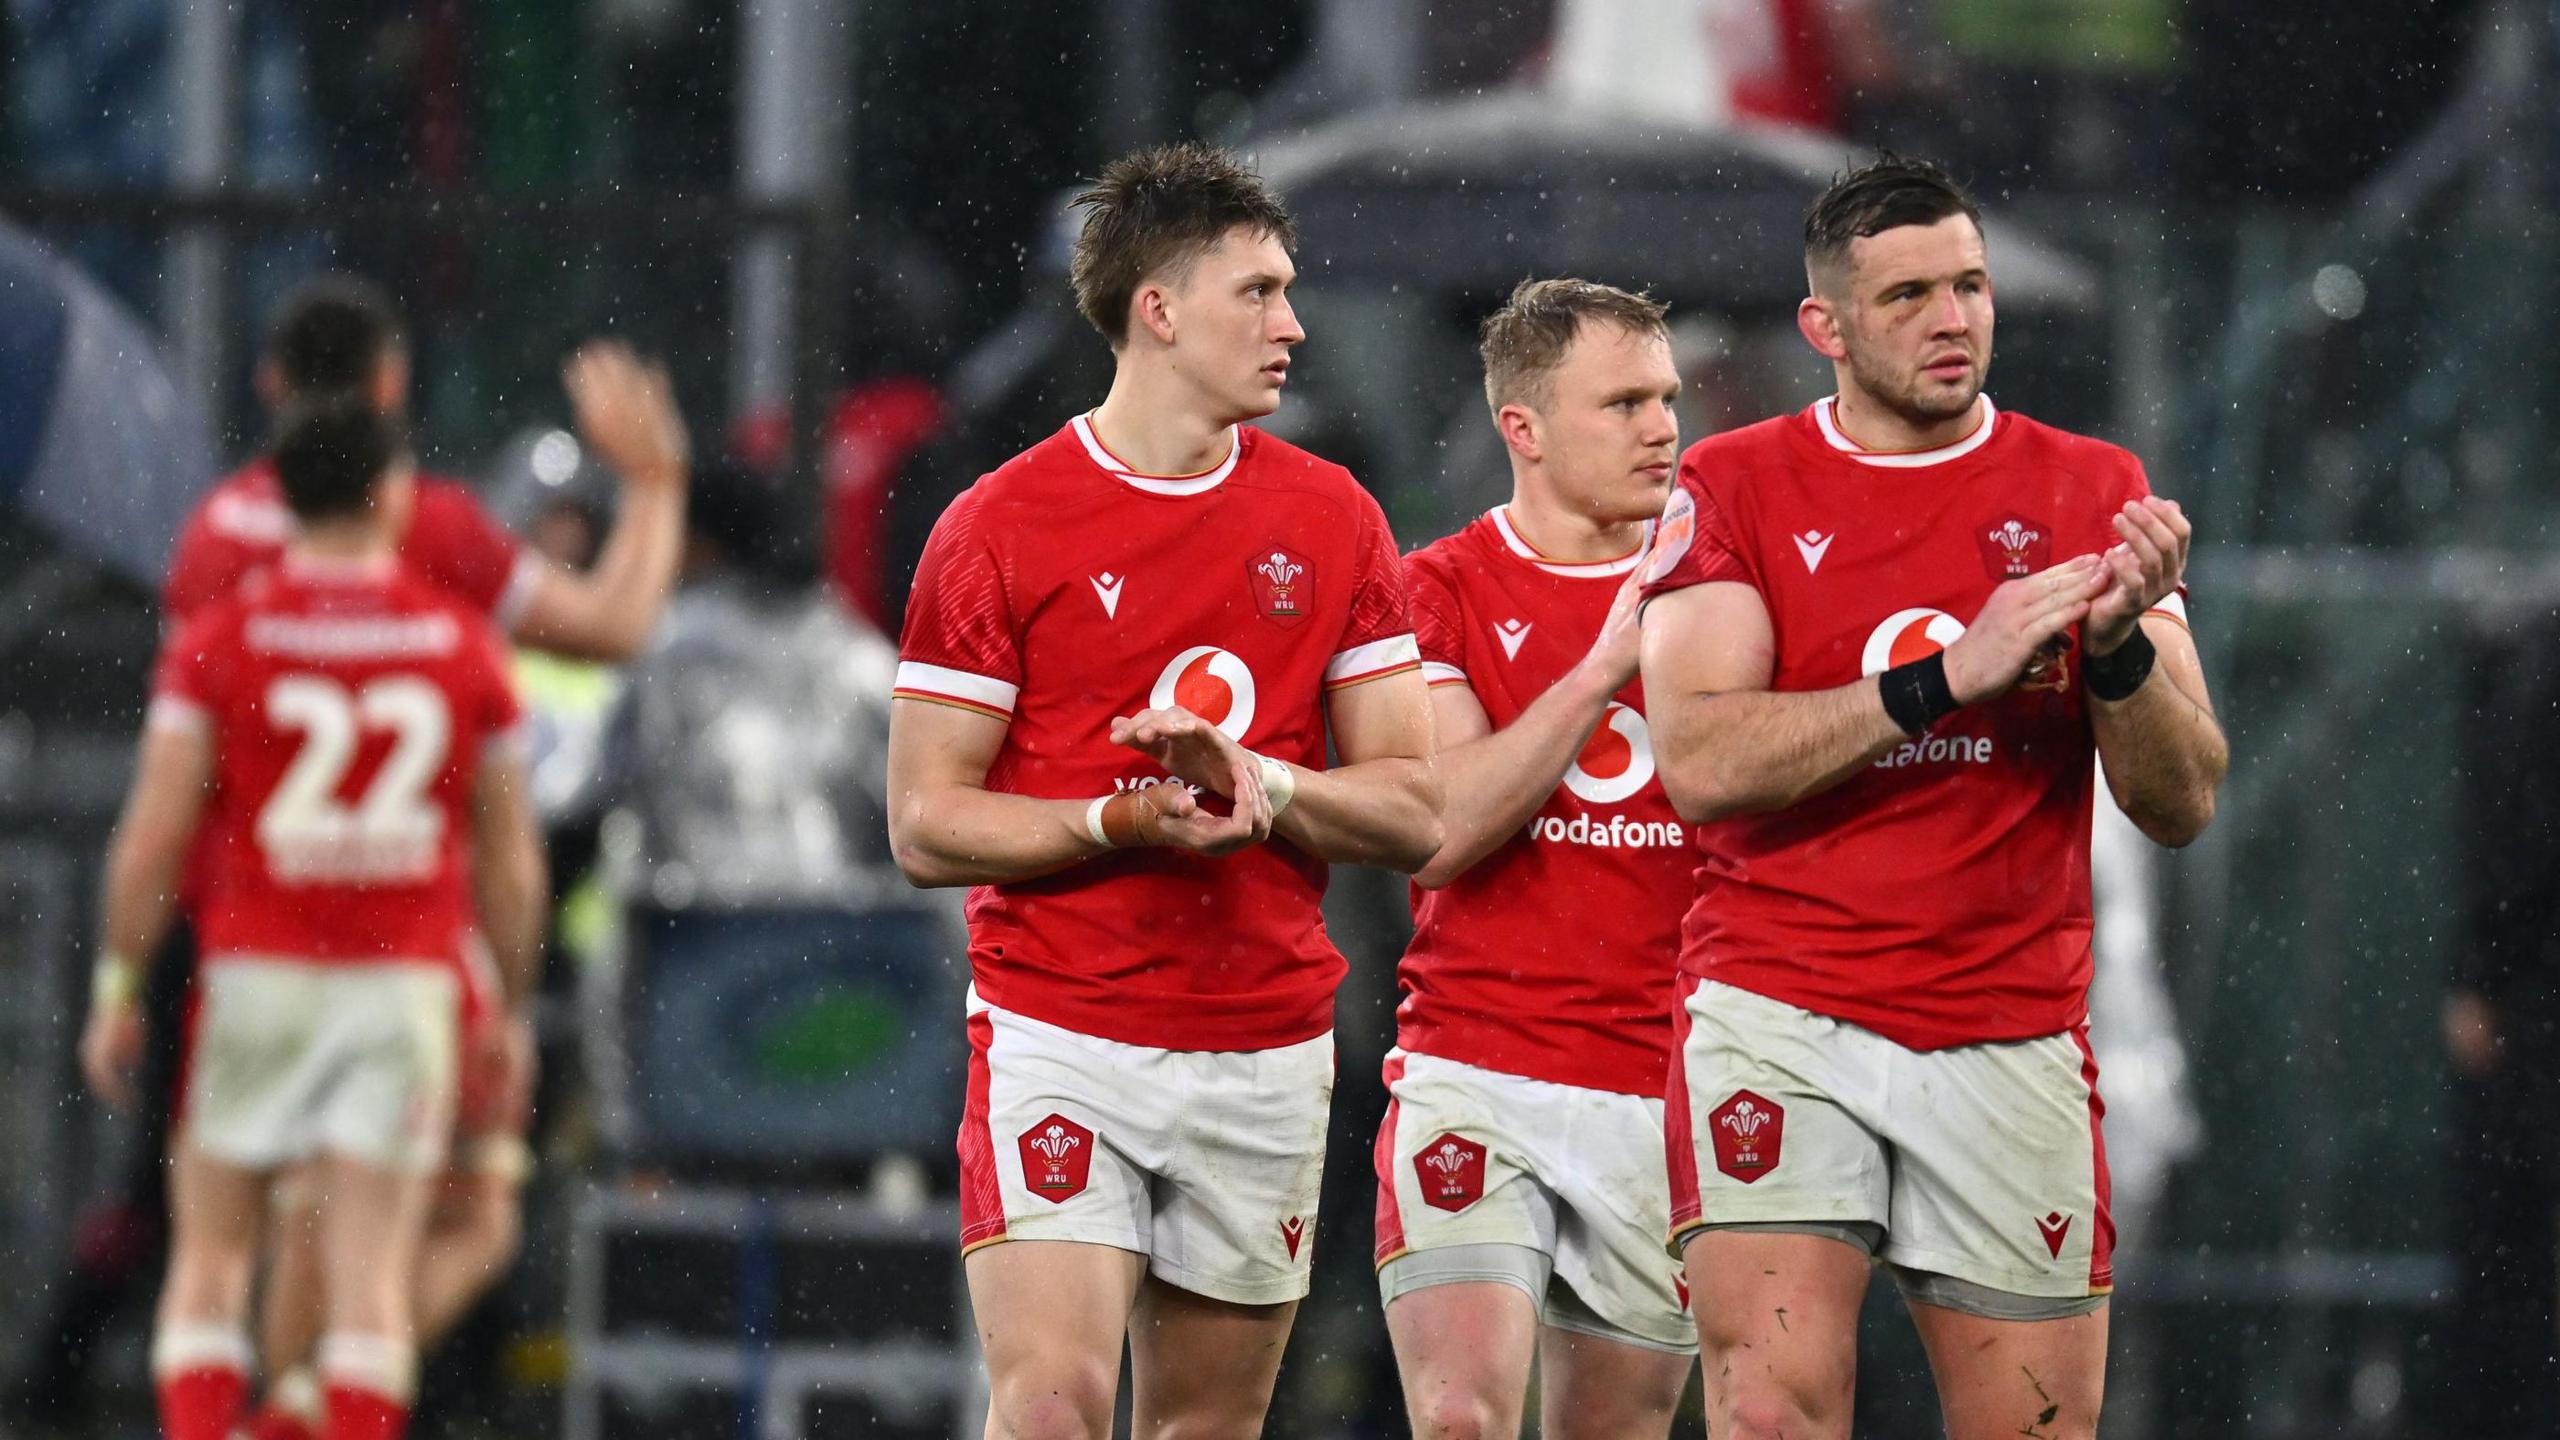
pixel 2013 548
pixel 1057 1156
pixel 1284 587
pixel 1747 1130
pixel 1451 1172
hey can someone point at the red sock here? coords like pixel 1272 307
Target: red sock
pixel 202 1402
pixel 293 1408
pixel 356 1413
pixel 275 1423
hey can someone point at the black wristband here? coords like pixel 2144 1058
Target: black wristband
pixel 1916 695
pixel 2120 671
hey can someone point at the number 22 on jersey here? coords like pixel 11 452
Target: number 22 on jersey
pixel 393 833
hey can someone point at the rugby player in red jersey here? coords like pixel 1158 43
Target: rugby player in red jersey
pixel 1124 654
pixel 1521 1205
pixel 1883 640
pixel 338 334
pixel 344 738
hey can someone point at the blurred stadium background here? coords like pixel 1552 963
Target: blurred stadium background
pixel 2298 254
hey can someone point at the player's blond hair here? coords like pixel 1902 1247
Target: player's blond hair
pixel 1153 214
pixel 1523 342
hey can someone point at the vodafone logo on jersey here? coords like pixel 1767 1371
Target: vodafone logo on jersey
pixel 1915 634
pixel 1908 635
pixel 1615 762
pixel 1210 683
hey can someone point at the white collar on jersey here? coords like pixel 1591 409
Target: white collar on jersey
pixel 1901 459
pixel 337 569
pixel 1113 466
pixel 1500 515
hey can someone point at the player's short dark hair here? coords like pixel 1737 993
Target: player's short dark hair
pixel 1890 192
pixel 1523 342
pixel 332 452
pixel 331 334
pixel 1153 214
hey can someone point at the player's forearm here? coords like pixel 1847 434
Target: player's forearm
pixel 511 889
pixel 141 893
pixel 961 835
pixel 1491 785
pixel 608 613
pixel 2165 758
pixel 1382 812
pixel 1748 752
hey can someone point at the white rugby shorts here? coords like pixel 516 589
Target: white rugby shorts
pixel 1469 1157
pixel 1207 1162
pixel 291 1059
pixel 1985 1162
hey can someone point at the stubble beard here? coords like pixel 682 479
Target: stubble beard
pixel 1909 397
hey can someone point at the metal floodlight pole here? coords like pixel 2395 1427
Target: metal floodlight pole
pixel 204 43
pixel 1137 43
pixel 793 123
pixel 1378 47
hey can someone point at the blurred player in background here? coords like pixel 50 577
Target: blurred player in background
pixel 339 334
pixel 1881 640
pixel 343 736
pixel 1521 1204
pixel 1123 657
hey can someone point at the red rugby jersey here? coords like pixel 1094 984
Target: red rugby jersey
pixel 1942 896
pixel 1553 956
pixel 240 528
pixel 1065 589
pixel 242 524
pixel 348 708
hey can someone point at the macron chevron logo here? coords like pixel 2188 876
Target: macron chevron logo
pixel 2053 1227
pixel 1511 632
pixel 1811 545
pixel 1107 586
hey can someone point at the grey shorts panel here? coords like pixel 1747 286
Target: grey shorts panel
pixel 1565 1311
pixel 1864 1236
pixel 1922 1287
pixel 1517 1265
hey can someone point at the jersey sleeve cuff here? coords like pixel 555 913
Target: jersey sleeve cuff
pixel 1373 661
pixel 517 597
pixel 515 742
pixel 981 693
pixel 2173 607
pixel 176 714
pixel 1436 673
